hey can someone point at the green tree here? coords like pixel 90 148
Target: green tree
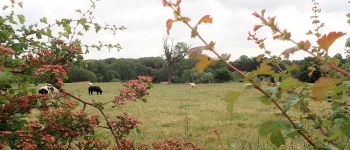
pixel 308 71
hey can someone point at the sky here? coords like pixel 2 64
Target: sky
pixel 232 19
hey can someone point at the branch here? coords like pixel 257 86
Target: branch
pixel 93 105
pixel 256 86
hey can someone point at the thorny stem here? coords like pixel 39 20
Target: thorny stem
pixel 101 111
pixel 335 67
pixel 256 86
pixel 93 5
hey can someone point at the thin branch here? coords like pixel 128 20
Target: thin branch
pixel 101 111
pixel 256 86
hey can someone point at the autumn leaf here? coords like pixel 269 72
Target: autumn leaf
pixel 169 23
pixel 204 62
pixel 205 19
pixel 257 27
pixel 289 51
pixel 211 45
pixel 322 86
pixel 178 2
pixel 186 19
pixel 165 3
pixel 195 52
pixel 305 45
pixel 327 40
pixel 264 69
pixel 260 57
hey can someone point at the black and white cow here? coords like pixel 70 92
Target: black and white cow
pixel 48 89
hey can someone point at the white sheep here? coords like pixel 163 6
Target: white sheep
pixel 193 85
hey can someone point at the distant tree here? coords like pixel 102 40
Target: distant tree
pixel 152 62
pixel 173 54
pixel 223 75
pixel 246 64
pixel 77 74
pixel 309 70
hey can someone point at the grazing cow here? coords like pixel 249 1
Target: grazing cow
pixel 48 89
pixel 95 88
pixel 192 85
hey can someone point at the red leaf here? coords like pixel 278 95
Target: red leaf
pixel 288 51
pixel 169 23
pixel 305 45
pixel 322 86
pixel 257 27
pixel 178 2
pixel 327 40
pixel 164 2
pixel 206 19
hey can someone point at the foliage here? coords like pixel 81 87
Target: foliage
pixel 37 53
pixel 322 130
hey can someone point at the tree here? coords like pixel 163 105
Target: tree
pixel 308 71
pixel 246 64
pixel 35 53
pixel 173 54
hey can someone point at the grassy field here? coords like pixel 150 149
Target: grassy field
pixel 178 111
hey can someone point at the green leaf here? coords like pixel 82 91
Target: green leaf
pixel 231 98
pixel 6 148
pixel 290 83
pixel 3 100
pixel 97 27
pixel 277 138
pixel 21 19
pixel 345 128
pixel 292 133
pixel 265 100
pixel 80 33
pixel 43 20
pixel 49 32
pixel 272 91
pixel 347 43
pixel 86 27
pixel 329 146
pixel 271 126
pixel 291 101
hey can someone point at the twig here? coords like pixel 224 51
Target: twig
pixel 256 86
pixel 93 105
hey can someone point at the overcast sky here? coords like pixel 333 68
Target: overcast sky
pixel 232 19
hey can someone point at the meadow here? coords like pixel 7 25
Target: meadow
pixel 196 114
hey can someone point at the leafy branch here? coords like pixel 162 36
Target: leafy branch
pixel 210 46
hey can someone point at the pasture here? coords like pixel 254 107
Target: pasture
pixel 181 112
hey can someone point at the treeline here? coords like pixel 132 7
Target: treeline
pixel 113 69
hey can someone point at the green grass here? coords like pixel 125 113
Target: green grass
pixel 163 116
